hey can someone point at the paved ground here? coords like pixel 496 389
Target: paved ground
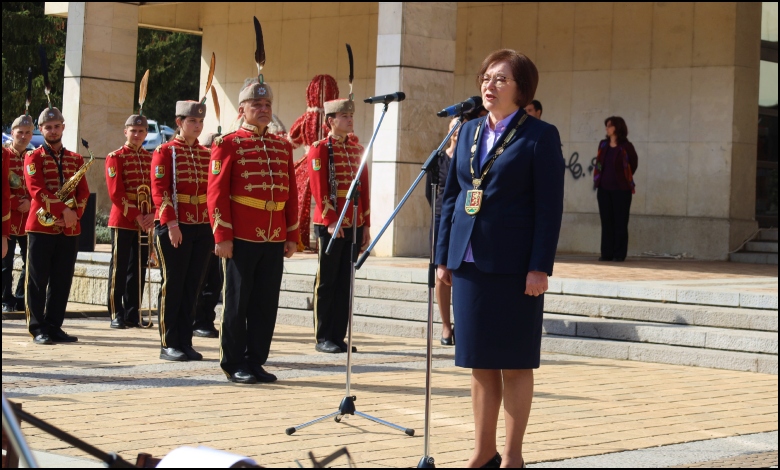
pixel 111 390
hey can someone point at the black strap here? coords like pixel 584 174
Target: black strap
pixel 50 152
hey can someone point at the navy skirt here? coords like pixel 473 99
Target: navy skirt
pixel 498 326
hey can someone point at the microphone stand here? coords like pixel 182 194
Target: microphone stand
pixel 430 166
pixel 347 406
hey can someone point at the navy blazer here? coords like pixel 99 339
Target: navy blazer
pixel 517 228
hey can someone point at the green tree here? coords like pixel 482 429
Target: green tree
pixel 173 61
pixel 25 28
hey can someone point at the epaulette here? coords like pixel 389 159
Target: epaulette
pixel 316 144
pixel 159 147
pixel 111 155
pixel 218 140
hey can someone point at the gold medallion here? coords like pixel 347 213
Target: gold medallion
pixel 476 182
pixel 473 201
pixel 270 206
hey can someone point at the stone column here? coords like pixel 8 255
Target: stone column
pixel 416 55
pixel 100 59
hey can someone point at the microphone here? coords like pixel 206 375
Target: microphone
pixel 462 107
pixel 385 99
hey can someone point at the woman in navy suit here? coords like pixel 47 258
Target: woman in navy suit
pixel 500 220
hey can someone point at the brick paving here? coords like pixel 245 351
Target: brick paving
pixel 757 460
pixel 111 390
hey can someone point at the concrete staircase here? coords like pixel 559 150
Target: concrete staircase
pixel 719 324
pixel 761 250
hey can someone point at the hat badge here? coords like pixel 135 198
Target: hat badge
pixel 200 111
pixel 51 115
pixel 261 91
pixel 138 121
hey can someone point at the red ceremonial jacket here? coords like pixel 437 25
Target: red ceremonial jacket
pixel 43 180
pixel 128 169
pixel 6 197
pixel 252 190
pixel 192 164
pixel 18 220
pixel 346 155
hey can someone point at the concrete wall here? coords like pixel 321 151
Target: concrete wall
pixel 301 40
pixel 685 78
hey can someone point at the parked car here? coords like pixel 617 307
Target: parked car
pixel 167 132
pixel 37 139
pixel 156 137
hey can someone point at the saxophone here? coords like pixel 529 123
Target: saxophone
pixel 46 218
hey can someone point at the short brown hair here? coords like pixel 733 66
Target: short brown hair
pixel 621 130
pixel 524 73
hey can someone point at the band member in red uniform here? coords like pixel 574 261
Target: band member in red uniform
pixel 254 213
pixel 15 149
pixel 333 163
pixel 132 211
pixel 52 234
pixel 182 233
pixel 6 205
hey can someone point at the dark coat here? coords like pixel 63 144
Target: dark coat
pixel 517 228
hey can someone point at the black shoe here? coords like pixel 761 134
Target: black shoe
pixel 328 347
pixel 261 375
pixel 42 339
pixel 172 354
pixel 343 346
pixel 495 462
pixel 606 258
pixel 206 332
pixel 191 354
pixel 60 336
pixel 118 323
pixel 619 260
pixel 143 324
pixel 449 341
pixel 241 376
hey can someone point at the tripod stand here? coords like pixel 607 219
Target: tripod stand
pixel 430 166
pixel 347 406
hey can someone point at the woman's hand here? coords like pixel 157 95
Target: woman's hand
pixel 536 283
pixel 175 234
pixel 444 274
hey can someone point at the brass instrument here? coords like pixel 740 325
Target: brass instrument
pixel 14 181
pixel 47 219
pixel 145 239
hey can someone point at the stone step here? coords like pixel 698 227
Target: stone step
pixel 761 247
pixel 768 234
pixel 760 342
pixel 753 258
pixel 679 314
pixel 610 349
pixel 664 354
pixel 572 325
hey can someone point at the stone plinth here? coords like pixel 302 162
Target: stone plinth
pixel 100 58
pixel 416 55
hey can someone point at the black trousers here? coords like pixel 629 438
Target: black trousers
pixel 331 288
pixel 124 293
pixel 205 313
pixel 183 270
pixel 51 261
pixel 614 208
pixel 253 277
pixel 14 298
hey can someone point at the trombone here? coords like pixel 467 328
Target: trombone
pixel 145 239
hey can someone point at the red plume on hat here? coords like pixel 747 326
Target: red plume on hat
pixel 308 128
